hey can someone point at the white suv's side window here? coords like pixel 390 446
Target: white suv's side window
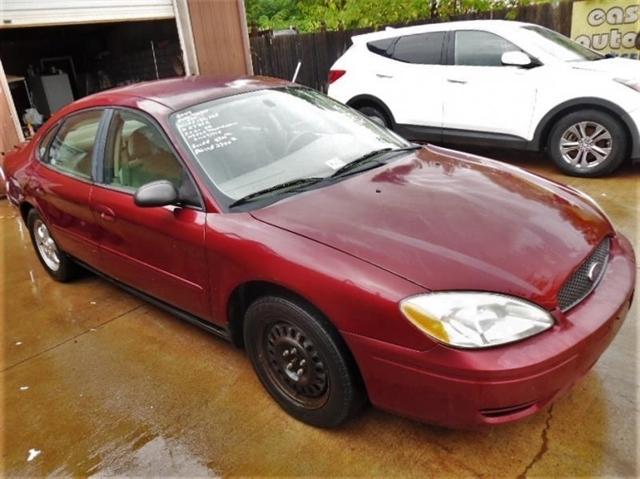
pixel 422 49
pixel 419 49
pixel 475 48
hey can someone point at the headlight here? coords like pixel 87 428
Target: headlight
pixel 634 84
pixel 475 320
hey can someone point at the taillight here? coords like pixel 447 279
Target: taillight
pixel 335 74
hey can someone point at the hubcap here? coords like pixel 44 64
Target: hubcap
pixel 46 246
pixel 586 144
pixel 295 366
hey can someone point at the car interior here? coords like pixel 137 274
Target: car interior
pixel 253 149
pixel 140 156
pixel 72 148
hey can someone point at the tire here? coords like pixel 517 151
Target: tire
pixel 602 138
pixel 64 269
pixel 283 338
pixel 375 115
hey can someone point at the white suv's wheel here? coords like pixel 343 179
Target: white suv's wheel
pixel 588 143
pixel 375 115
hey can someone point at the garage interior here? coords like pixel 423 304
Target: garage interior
pixel 48 67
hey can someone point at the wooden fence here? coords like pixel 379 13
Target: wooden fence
pixel 278 56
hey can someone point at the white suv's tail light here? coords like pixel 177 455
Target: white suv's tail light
pixel 335 74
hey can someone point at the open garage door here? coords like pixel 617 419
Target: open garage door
pixel 31 13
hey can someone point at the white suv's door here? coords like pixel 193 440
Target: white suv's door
pixel 482 95
pixel 410 78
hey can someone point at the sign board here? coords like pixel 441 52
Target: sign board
pixel 608 26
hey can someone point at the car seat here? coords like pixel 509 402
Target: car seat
pixel 144 162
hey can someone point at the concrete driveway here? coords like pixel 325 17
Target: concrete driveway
pixel 96 382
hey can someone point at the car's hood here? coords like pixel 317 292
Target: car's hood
pixel 449 223
pixel 617 67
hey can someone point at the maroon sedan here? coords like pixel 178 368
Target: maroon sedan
pixel 350 264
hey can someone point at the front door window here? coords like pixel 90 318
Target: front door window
pixel 137 153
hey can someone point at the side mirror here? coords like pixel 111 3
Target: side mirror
pixel 156 193
pixel 516 59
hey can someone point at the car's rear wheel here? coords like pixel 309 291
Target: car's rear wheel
pixel 55 261
pixel 375 115
pixel 302 362
pixel 588 143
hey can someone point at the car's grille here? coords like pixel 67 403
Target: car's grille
pixel 585 278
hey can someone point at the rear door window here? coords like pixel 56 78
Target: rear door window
pixel 45 142
pixel 71 150
pixel 382 47
pixel 422 49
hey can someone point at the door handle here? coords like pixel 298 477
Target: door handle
pixel 382 75
pixel 457 81
pixel 106 213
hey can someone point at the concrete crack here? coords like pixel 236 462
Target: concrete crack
pixel 543 447
pixel 51 348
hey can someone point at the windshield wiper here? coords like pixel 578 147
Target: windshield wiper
pixel 302 184
pixel 288 186
pixel 369 158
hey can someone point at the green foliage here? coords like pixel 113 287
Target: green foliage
pixel 313 15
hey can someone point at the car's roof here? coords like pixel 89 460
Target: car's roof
pixel 489 25
pixel 179 93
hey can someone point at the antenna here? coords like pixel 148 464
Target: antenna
pixel 295 74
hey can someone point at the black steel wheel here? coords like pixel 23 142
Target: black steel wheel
pixel 302 361
pixel 294 365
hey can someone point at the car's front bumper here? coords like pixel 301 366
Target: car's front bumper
pixel 466 389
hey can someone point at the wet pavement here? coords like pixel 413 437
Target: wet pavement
pixel 97 382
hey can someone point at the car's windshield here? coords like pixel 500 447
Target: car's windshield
pixel 254 141
pixel 558 45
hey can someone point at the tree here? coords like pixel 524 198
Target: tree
pixel 312 15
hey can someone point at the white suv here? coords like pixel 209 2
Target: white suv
pixel 497 83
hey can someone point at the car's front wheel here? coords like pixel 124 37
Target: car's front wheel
pixel 302 362
pixel 588 143
pixel 55 261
